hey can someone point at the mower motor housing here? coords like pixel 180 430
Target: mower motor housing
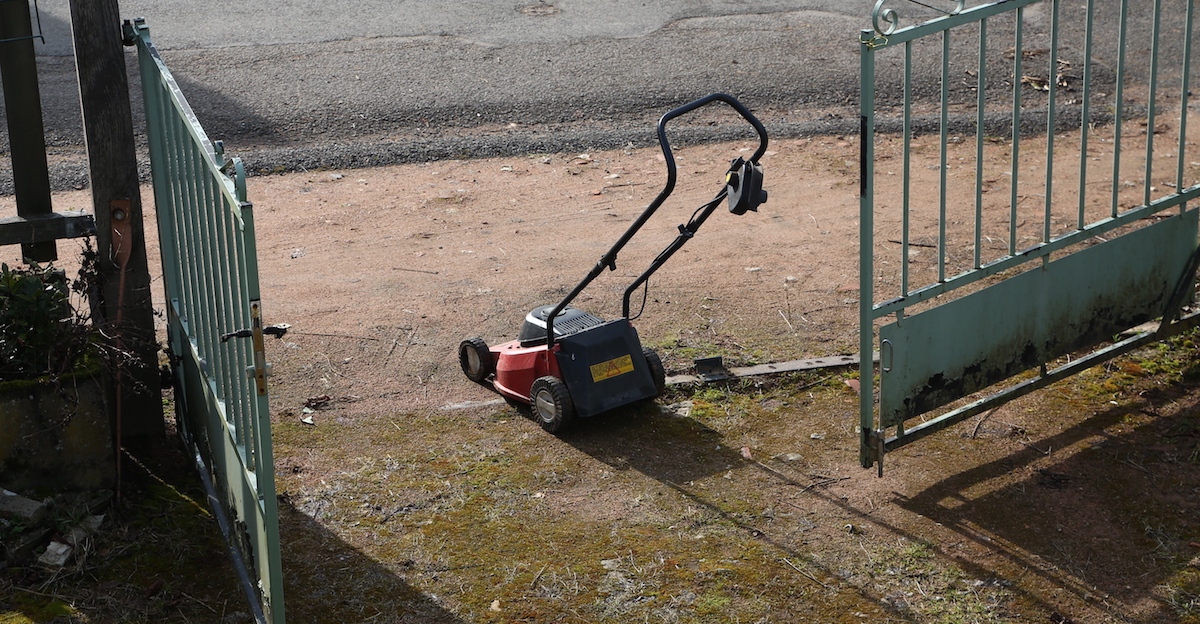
pixel 601 362
pixel 604 367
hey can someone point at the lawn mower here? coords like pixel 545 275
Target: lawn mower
pixel 566 363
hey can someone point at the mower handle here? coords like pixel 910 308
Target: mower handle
pixel 609 259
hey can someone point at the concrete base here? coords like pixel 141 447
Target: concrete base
pixel 55 437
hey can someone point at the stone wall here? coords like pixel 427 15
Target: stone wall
pixel 55 436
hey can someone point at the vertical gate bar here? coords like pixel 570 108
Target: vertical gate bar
pixel 245 356
pixel 1051 111
pixel 226 319
pixel 980 103
pixel 237 244
pixel 943 164
pixel 211 312
pixel 203 312
pixel 191 239
pixel 1119 114
pixel 163 202
pixel 228 323
pixel 906 200
pixel 1154 48
pixel 219 321
pixel 1015 172
pixel 214 210
pixel 184 212
pixel 1183 98
pixel 1085 122
pixel 232 245
pixel 866 266
pixel 182 219
pixel 169 169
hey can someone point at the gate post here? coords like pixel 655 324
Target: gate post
pixel 117 204
pixel 23 108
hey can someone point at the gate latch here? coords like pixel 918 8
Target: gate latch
pixel 277 330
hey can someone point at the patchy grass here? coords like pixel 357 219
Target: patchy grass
pixel 749 507
pixel 158 556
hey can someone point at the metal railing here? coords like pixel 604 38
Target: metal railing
pixel 1097 167
pixel 215 330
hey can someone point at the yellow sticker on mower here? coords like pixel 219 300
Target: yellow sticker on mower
pixel 612 368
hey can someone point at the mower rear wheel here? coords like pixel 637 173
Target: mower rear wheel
pixel 551 403
pixel 657 372
pixel 476 359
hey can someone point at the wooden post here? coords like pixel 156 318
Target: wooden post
pixel 116 200
pixel 26 134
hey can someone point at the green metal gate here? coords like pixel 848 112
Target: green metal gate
pixel 1077 168
pixel 215 330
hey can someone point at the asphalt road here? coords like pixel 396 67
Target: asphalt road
pixel 306 84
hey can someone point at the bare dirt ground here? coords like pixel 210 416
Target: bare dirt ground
pixel 416 496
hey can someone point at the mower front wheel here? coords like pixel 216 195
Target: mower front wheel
pixel 476 359
pixel 551 403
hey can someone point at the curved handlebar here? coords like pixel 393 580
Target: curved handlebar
pixel 687 108
pixel 609 260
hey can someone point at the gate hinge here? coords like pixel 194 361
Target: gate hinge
pixel 873 440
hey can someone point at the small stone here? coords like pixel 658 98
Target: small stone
pixel 56 555
pixel 817 436
pixel 683 409
pixel 14 504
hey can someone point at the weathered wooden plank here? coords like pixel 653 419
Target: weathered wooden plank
pixel 41 228
pixel 791 366
pixel 26 135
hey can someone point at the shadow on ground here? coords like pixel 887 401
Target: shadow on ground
pixel 1112 519
pixel 327 580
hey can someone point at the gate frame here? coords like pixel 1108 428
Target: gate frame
pixel 210 276
pixel 874 441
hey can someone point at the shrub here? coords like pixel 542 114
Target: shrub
pixel 40 334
